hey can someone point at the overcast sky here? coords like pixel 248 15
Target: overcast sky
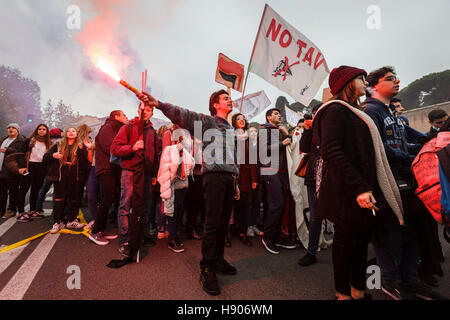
pixel 179 42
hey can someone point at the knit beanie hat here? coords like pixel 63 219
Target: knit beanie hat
pixel 341 76
pixel 14 125
pixel 55 133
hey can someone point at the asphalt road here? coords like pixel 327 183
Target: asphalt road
pixel 41 269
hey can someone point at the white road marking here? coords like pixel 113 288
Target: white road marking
pixel 21 281
pixel 6 258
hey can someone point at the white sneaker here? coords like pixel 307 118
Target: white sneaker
pixel 57 227
pixel 75 224
pixel 250 232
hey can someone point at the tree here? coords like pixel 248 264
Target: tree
pixel 428 90
pixel 19 98
pixel 59 115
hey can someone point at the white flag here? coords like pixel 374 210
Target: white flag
pixel 292 117
pixel 287 59
pixel 252 106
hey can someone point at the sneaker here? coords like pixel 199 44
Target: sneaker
pixel 270 246
pixel 366 297
pixel 23 217
pixel 196 235
pixel 57 227
pixel 246 240
pixel 98 238
pixel 250 232
pixel 257 231
pixel 124 250
pixel 307 259
pixel 163 234
pixel 227 242
pixel 175 247
pixel 296 241
pixel 208 281
pixel 284 242
pixel 75 224
pixel 178 242
pixel 223 267
pixel 9 214
pixel 36 215
pixel 397 291
pixel 423 292
pixel 429 280
pixel 109 235
pixel 153 232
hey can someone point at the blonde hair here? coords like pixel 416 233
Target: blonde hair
pixel 64 147
pixel 83 131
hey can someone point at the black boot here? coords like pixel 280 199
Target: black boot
pixel 307 259
pixel 209 282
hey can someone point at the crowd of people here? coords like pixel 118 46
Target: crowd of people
pixel 346 168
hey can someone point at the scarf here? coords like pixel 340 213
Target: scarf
pixel 385 177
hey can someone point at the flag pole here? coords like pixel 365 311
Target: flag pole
pixel 253 51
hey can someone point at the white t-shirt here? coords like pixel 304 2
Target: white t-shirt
pixel 38 151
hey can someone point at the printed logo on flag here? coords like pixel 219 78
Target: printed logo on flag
pixel 287 59
pixel 229 73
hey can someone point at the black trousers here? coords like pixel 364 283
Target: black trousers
pixel 219 194
pixel 350 245
pixel 108 181
pixel 66 190
pixel 194 202
pixel 9 186
pixel 34 179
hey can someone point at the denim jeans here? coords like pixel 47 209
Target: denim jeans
pixel 126 192
pixel 93 190
pixel 277 187
pixel 46 185
pixel 177 212
pixel 315 222
pixel 149 210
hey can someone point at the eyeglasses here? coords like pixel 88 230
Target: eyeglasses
pixel 391 78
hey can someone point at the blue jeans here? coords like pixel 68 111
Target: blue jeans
pixel 277 187
pixel 315 222
pixel 46 185
pixel 123 218
pixel 93 189
pixel 149 210
pixel 172 221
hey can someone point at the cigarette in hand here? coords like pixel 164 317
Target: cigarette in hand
pixel 373 211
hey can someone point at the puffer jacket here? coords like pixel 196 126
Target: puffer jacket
pixel 169 163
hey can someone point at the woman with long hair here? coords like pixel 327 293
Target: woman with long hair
pixel 248 180
pixel 353 179
pixel 34 149
pixel 66 160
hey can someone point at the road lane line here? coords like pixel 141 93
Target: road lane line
pixel 5 226
pixel 8 257
pixel 21 281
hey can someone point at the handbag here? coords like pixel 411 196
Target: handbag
pixel 11 162
pixel 302 166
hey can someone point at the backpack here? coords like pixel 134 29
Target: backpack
pixel 425 168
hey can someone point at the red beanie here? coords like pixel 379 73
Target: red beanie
pixel 55 133
pixel 341 76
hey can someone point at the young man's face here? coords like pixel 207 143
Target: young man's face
pixel 274 118
pixel 388 86
pixel 399 108
pixel 122 118
pixel 148 112
pixel 439 123
pixel 225 104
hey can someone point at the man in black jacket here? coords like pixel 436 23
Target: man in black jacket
pixel 397 247
pixel 107 173
pixel 9 182
pixel 273 140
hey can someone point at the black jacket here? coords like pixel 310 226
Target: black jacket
pixel 266 145
pixel 346 147
pixel 308 145
pixel 54 165
pixel 15 147
pixel 103 141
